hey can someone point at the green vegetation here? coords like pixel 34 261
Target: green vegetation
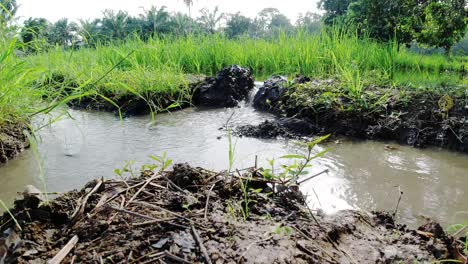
pixel 17 97
pixel 154 57
pixel 163 62
pixel 4 207
pixel 284 177
pixel 8 9
pixel 150 56
pixel 160 66
pixel 38 34
pixel 291 173
pixel 436 23
pixel 460 230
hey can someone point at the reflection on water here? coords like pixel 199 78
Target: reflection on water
pixel 362 175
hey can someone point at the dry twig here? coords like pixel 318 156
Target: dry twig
pixel 64 251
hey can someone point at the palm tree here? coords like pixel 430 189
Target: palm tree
pixel 189 4
pixel 114 25
pixel 210 20
pixel 181 24
pixel 90 31
pixel 8 10
pixel 63 32
pixel 157 20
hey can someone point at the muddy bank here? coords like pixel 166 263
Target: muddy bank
pixel 229 86
pixel 12 140
pixel 416 117
pixel 191 215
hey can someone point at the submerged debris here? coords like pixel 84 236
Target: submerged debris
pixel 191 215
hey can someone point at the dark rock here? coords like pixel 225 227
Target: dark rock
pixel 298 126
pixel 270 93
pixel 299 79
pixel 231 85
pixel 434 228
pixel 267 129
pixel 288 127
pixel 384 219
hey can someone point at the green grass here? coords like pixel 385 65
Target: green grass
pixel 160 66
pixel 17 98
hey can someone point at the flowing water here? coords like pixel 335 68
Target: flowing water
pixel 362 174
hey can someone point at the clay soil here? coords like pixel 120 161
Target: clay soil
pixel 410 116
pixel 12 140
pixel 191 215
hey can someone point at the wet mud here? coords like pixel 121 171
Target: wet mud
pixel 12 140
pixel 191 215
pixel 229 86
pixel 420 118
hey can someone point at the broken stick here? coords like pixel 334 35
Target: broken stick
pixel 64 251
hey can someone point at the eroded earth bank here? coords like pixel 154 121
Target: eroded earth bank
pixel 191 215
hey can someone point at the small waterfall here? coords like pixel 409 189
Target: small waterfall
pixel 249 101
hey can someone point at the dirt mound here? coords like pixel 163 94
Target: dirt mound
pixel 210 218
pixel 12 140
pixel 231 85
pixel 270 93
pixel 129 103
pixel 420 118
pixel 287 127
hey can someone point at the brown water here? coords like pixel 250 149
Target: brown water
pixel 362 174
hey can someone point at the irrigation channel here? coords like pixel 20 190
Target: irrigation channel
pixel 362 175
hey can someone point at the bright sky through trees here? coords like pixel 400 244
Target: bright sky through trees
pixel 53 10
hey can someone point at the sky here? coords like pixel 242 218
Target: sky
pixel 54 10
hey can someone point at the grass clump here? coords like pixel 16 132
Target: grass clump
pixel 159 64
pixel 157 72
pixel 17 98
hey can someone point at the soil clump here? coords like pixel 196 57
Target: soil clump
pixel 192 215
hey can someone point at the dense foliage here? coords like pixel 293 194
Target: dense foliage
pixel 8 10
pixel 38 33
pixel 436 23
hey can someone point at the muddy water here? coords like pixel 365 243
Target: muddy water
pixel 362 175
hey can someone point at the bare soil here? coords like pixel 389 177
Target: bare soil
pixel 12 140
pixel 410 116
pixel 191 215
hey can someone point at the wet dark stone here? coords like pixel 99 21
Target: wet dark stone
pixel 384 219
pixel 267 129
pixel 287 127
pixel 298 126
pixel 270 93
pixel 231 85
pixel 299 79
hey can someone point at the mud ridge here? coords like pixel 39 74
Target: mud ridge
pixel 191 215
pixel 12 140
pixel 229 86
pixel 416 117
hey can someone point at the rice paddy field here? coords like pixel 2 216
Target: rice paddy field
pixel 161 65
pixel 361 84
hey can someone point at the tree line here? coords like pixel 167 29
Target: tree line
pixel 433 23
pixel 39 33
pixel 429 23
